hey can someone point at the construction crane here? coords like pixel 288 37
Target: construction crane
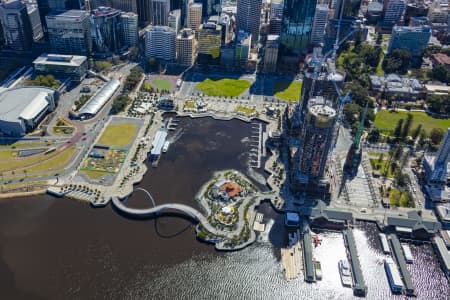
pixel 354 154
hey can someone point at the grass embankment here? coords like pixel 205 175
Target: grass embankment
pixel 21 185
pixel 56 162
pixel 25 144
pixel 387 120
pixel 289 91
pixel 118 135
pixel 162 84
pixel 223 87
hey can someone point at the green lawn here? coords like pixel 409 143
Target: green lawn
pixel 118 134
pixel 380 71
pixel 289 91
pixel 7 154
pixel 399 198
pixel 223 87
pixel 190 104
pixel 245 109
pixel 162 84
pixel 387 120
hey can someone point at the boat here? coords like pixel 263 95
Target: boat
pixel 408 255
pixel 384 243
pixel 344 270
pixel 318 270
pixel 166 147
pixel 395 281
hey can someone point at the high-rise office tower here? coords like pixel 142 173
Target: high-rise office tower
pixel 160 12
pixel 35 22
pixel 105 30
pixel 298 19
pixel 349 8
pixel 242 49
pixel 394 11
pixel 130 29
pixel 319 24
pixel 16 25
pixel 271 53
pixel 174 19
pixel 194 15
pixel 413 39
pixel 248 17
pixel 209 42
pixel 46 6
pixel 124 5
pixel 185 45
pixel 69 32
pixel 160 42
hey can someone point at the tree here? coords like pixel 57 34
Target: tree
pixel 439 104
pixel 440 73
pixel 120 103
pixel 436 135
pixel 102 65
pixel 397 61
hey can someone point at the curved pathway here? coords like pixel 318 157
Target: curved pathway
pixel 151 212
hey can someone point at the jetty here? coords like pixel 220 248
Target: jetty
pixel 291 257
pixel 359 286
pixel 400 258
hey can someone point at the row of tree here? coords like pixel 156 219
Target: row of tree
pixel 133 78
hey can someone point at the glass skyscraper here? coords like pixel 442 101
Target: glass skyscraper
pixel 297 25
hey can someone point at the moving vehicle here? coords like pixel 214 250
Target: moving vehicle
pixel 344 270
pixel 166 147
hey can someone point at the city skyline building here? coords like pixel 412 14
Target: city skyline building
pixel 174 19
pixel 271 53
pixel 69 32
pixel 160 12
pixel 129 29
pixel 106 30
pixel 160 42
pixel 319 24
pixel 209 42
pixel 394 11
pixel 194 15
pixel 242 49
pixel 185 47
pixel 298 17
pixel 413 39
pixel 17 29
pixel 248 17
pixel 35 22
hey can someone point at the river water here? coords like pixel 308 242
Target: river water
pixel 62 249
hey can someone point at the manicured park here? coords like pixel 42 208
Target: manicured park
pixel 162 84
pixel 223 87
pixel 289 91
pixel 119 135
pixel 387 120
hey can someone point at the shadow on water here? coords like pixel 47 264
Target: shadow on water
pixel 172 235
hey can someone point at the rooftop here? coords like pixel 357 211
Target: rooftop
pixel 441 58
pixel 68 14
pixel 58 59
pixel 24 102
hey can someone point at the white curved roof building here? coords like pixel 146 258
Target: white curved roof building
pixel 21 109
pixel 95 104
